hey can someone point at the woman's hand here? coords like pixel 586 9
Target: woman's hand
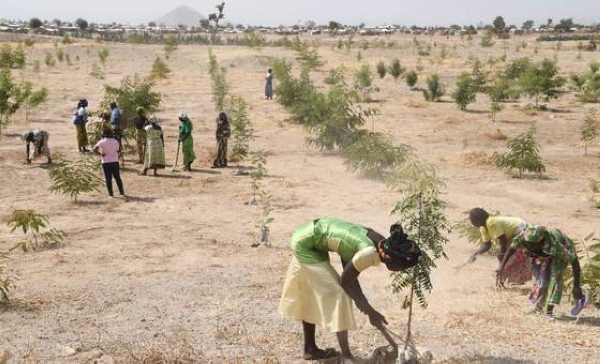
pixel 376 319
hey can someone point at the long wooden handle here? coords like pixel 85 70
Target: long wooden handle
pixel 387 336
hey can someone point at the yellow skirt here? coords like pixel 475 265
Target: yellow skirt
pixel 312 293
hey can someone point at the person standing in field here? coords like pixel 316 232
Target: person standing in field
pixel 553 251
pixel 36 142
pixel 499 231
pixel 315 294
pixel 186 140
pixel 141 121
pixel 269 84
pixel 108 148
pixel 155 148
pixel 80 118
pixel 222 134
pixel 115 122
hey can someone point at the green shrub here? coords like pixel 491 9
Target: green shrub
pixel 396 69
pixel 242 131
pixel 133 92
pixel 465 91
pixel 32 224
pixel 220 88
pixel 381 69
pixel 160 70
pixel 49 60
pixel 589 130
pixel 435 89
pixel 411 79
pixel 103 56
pixel 541 79
pixel 523 155
pixel 74 178
pixel 374 156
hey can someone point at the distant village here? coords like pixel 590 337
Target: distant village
pixel 152 30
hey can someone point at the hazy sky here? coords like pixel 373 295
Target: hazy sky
pixel 286 12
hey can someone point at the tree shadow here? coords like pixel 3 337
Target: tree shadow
pixel 583 320
pixel 479 112
pixel 49 121
pixel 206 171
pixel 513 121
pixel 172 175
pixel 90 203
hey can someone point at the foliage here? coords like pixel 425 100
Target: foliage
pixel 363 79
pixel 499 25
pixel 501 89
pixel 241 128
pixel 259 162
pixel 74 178
pixel 465 91
pixel 479 77
pixel 411 79
pixel 374 156
pixel 160 69
pixel 215 18
pixel 309 58
pixel 589 130
pixel 10 58
pixel 486 41
pixel 81 23
pixel 421 212
pixel 97 72
pixel 396 69
pixel 523 155
pixel 170 46
pixel 30 223
pixel 49 60
pixel 220 88
pixel 296 93
pixel 495 108
pixel 541 79
pixel 8 103
pixel 35 23
pixel 132 93
pixel 435 89
pixel 103 55
pixel 24 95
pixel 381 69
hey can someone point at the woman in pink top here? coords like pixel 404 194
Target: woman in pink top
pixel 108 148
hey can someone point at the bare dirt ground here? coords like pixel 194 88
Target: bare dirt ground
pixel 169 273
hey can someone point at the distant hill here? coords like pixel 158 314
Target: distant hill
pixel 183 15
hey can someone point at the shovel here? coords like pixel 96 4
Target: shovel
pixel 174 169
pixel 387 354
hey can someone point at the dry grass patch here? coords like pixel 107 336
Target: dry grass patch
pixel 476 159
pixel 496 135
pixel 416 104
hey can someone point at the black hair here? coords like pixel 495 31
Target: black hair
pixel 82 103
pixel 113 105
pixel 403 252
pixel 478 216
pixel 223 116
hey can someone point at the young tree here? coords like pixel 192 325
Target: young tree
pixel 396 69
pixel 541 79
pixel 435 89
pixel 411 79
pixel 242 131
pixel 103 55
pixel 381 69
pixel 32 224
pixel 74 178
pixel 589 130
pixel 523 155
pixel 160 69
pixel 25 95
pixel 82 24
pixel 220 88
pixel 8 103
pixel 465 92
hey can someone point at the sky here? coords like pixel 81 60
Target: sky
pixel 285 12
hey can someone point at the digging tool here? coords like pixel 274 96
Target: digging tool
pixel 174 168
pixel 386 354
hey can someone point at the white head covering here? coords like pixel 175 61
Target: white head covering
pixel 183 114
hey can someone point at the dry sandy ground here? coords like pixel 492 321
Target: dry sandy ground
pixel 169 273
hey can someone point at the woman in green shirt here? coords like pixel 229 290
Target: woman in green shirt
pixel 316 294
pixel 186 140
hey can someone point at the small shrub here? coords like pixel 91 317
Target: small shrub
pixel 60 55
pixel 97 72
pixel 74 178
pixel 103 55
pixel 32 225
pixel 373 156
pixel 160 70
pixel 396 69
pixel 49 60
pixel 589 130
pixel 381 69
pixel 411 79
pixel 523 155
pixel 242 131
pixel 486 41
pixel 435 89
pixel 465 91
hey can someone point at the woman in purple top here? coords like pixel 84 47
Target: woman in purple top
pixel 108 148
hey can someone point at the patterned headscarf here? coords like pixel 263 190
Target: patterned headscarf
pixel 533 234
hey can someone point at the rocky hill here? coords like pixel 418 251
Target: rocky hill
pixel 183 15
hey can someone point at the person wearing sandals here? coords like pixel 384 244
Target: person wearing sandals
pixel 553 251
pixel 315 294
pixel 154 157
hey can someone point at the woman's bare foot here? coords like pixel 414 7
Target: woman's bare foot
pixel 319 354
